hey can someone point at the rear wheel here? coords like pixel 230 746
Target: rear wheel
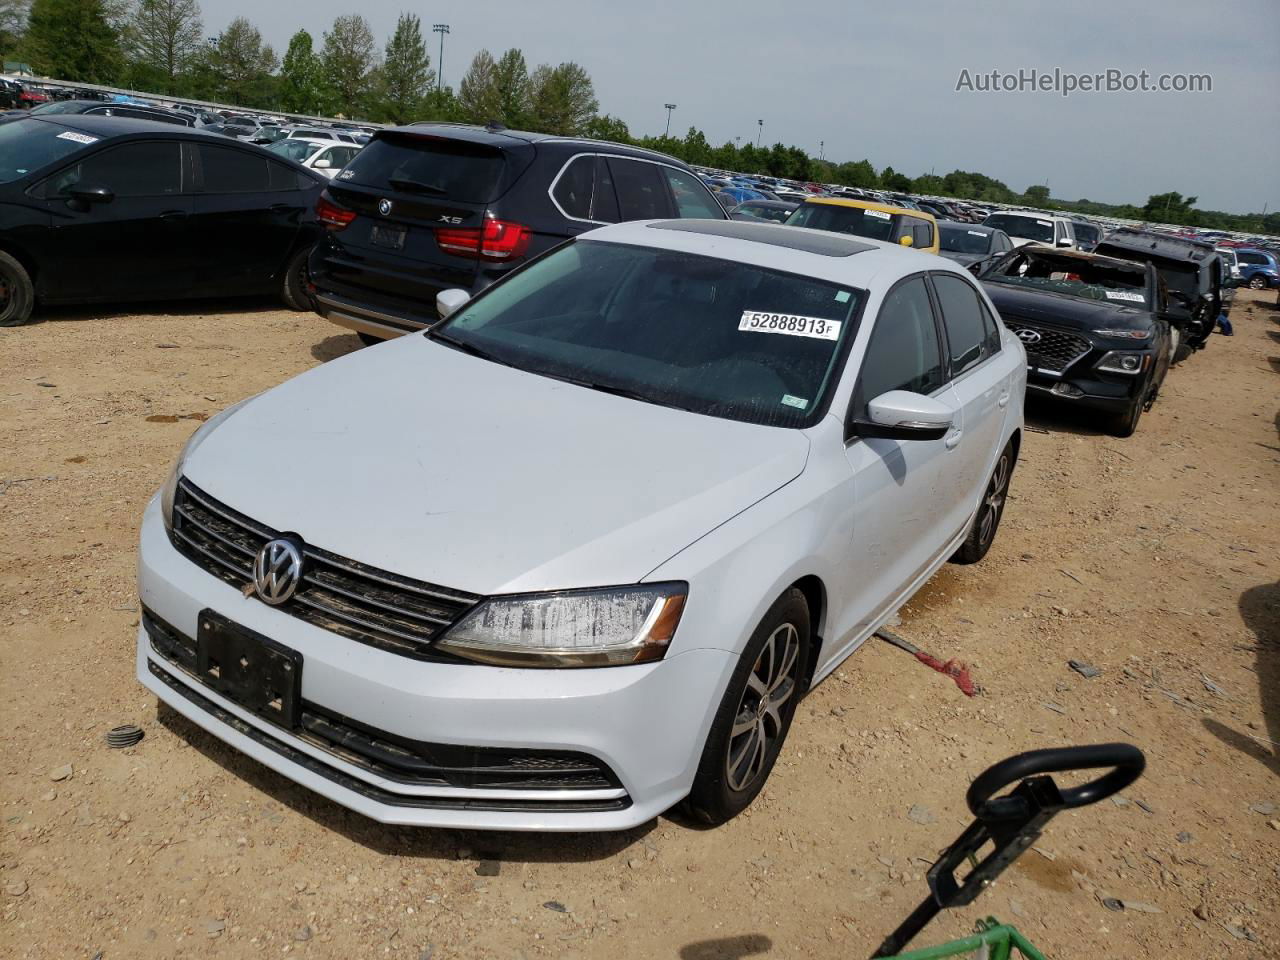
pixel 17 295
pixel 755 714
pixel 294 291
pixel 1180 348
pixel 369 340
pixel 987 520
pixel 1257 282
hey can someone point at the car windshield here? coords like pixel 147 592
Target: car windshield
pixel 294 149
pixel 1018 225
pixel 1074 276
pixel 57 106
pixel 1087 232
pixel 677 329
pixel 964 240
pixel 764 212
pixel 27 145
pixel 858 221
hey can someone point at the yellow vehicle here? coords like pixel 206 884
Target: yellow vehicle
pixel 875 221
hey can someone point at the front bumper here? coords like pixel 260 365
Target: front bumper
pixel 645 723
pixel 1108 395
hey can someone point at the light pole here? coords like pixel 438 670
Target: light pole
pixel 760 132
pixel 442 29
pixel 822 149
pixel 670 107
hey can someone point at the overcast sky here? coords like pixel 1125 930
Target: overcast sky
pixel 879 80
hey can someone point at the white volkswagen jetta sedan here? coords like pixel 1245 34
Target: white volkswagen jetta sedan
pixel 573 555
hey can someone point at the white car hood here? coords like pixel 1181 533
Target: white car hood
pixel 443 467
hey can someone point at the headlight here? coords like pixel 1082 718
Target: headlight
pixel 1125 334
pixel 580 628
pixel 170 488
pixel 1118 361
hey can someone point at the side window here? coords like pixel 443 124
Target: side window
pixel 341 156
pixel 604 202
pixel 132 170
pixel 992 326
pixel 575 186
pixel 964 320
pixel 903 353
pixel 284 178
pixel 234 171
pixel 921 234
pixel 641 193
pixel 692 198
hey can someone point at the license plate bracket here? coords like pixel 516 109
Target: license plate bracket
pixel 389 237
pixel 249 669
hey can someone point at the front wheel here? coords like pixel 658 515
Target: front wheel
pixel 1257 282
pixel 987 520
pixel 1126 424
pixel 755 714
pixel 17 295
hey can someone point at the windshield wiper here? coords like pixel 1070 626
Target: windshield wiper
pixel 416 186
pixel 470 348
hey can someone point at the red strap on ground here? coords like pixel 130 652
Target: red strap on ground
pixel 954 669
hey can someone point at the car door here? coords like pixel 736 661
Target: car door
pixel 642 194
pixel 896 506
pixel 981 386
pixel 248 209
pixel 137 244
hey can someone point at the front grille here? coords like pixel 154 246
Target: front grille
pixel 412 761
pixel 1054 351
pixel 343 596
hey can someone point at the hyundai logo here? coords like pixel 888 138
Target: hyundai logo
pixel 277 571
pixel 384 207
pixel 1028 336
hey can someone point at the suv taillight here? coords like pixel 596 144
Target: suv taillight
pixel 496 240
pixel 332 215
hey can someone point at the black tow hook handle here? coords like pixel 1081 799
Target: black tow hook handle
pixel 1013 822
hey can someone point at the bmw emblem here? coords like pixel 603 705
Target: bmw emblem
pixel 384 207
pixel 1028 336
pixel 277 571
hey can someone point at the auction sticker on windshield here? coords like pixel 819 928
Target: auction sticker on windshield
pixel 77 137
pixel 791 325
pixel 1124 295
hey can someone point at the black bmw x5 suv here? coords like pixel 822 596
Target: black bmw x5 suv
pixel 430 207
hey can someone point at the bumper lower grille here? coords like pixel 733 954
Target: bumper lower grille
pixel 411 761
pixel 1054 351
pixel 343 596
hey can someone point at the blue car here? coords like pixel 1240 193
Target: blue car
pixel 1259 269
pixel 741 194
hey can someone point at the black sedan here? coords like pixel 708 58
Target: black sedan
pixel 102 209
pixel 770 211
pixel 972 246
pixel 97 108
pixel 1091 325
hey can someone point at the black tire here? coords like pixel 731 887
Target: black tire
pixel 1257 282
pixel 17 295
pixel 369 340
pixel 1180 348
pixel 765 706
pixel 986 522
pixel 1126 424
pixel 294 289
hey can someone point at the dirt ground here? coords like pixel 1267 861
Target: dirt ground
pixel 1154 558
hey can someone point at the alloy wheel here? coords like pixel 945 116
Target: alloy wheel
pixel 758 722
pixel 993 500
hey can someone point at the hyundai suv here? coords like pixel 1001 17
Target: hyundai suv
pixel 431 207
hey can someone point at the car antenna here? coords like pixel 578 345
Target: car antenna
pixel 493 126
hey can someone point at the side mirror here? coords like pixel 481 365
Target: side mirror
pixel 902 415
pixel 450 301
pixel 906 241
pixel 1064 242
pixel 88 193
pixel 322 164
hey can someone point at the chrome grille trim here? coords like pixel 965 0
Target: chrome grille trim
pixel 1057 349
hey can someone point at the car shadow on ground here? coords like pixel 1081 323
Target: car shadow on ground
pixel 1061 417
pixel 159 310
pixel 425 843
pixel 727 948
pixel 339 345
pixel 1260 609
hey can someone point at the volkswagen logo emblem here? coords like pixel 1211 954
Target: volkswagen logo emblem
pixel 277 571
pixel 384 207
pixel 1028 336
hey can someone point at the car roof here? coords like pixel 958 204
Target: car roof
pixel 961 225
pixel 1118 263
pixel 821 254
pixel 870 205
pixel 1031 214
pixel 1158 244
pixel 502 137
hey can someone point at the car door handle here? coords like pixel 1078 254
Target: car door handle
pixel 280 207
pixel 952 440
pixel 172 215
pixel 1004 400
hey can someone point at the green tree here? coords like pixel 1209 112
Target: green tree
pixel 695 148
pixel 13 23
pixel 406 72
pixel 163 35
pixel 860 174
pixel 241 64
pixel 442 105
pixel 1037 195
pixel 562 100
pixel 511 89
pixel 890 179
pixel 478 91
pixel 1169 207
pixel 348 60
pixel 301 82
pixel 73 40
pixel 606 127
